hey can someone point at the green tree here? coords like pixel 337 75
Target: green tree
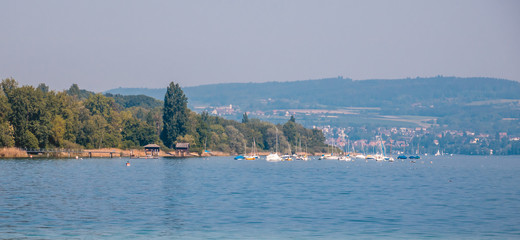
pixel 27 106
pixel 203 128
pixel 28 140
pixel 8 86
pixel 175 114
pixel 236 139
pixel 58 130
pixel 5 107
pixel 96 131
pixel 6 134
pixel 245 119
pixel 137 133
pixel 42 87
pixel 99 104
pixel 290 130
pixel 74 90
pixel 6 129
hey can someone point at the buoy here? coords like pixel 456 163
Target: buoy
pixel 128 164
pixel 76 157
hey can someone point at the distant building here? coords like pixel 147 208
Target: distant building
pixel 152 150
pixel 182 149
pixel 400 144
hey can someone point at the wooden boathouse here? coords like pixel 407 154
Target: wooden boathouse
pixel 182 149
pixel 152 150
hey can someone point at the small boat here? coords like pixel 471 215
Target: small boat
pixel 345 158
pixel 414 157
pixel 360 156
pixel 300 156
pixel 329 157
pixel 273 157
pixel 253 155
pixel 239 157
pixel 402 157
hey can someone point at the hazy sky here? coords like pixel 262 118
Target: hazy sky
pixel 107 44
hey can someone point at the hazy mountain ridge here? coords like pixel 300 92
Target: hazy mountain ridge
pixel 340 92
pixel 480 104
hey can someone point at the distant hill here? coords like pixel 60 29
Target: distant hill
pixel 402 95
pixel 128 101
pixel 486 104
pixel 157 93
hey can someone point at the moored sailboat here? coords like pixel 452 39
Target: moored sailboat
pixel 274 157
pixel 253 155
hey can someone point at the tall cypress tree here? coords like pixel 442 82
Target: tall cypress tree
pixel 245 119
pixel 175 114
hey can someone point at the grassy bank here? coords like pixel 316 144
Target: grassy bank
pixel 13 153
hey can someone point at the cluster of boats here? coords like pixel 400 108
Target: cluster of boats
pixel 274 157
pixel 377 157
pixel 349 157
pixel 410 157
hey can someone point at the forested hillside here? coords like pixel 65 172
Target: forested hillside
pixel 397 94
pixel 457 103
pixel 38 118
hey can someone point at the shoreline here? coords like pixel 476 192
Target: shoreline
pixel 13 153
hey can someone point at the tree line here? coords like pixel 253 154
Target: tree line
pixel 35 117
pixel 204 131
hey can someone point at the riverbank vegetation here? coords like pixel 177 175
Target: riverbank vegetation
pixel 35 117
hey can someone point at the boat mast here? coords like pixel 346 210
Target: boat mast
pixel 276 146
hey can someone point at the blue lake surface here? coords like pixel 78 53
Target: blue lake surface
pixel 461 197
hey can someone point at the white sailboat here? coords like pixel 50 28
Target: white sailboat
pixel 360 155
pixel 330 156
pixel 438 153
pixel 380 156
pixel 274 157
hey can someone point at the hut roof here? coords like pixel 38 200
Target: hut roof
pixel 152 146
pixel 182 145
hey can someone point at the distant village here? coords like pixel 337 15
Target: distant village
pixel 397 140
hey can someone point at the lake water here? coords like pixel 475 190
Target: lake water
pixel 462 197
